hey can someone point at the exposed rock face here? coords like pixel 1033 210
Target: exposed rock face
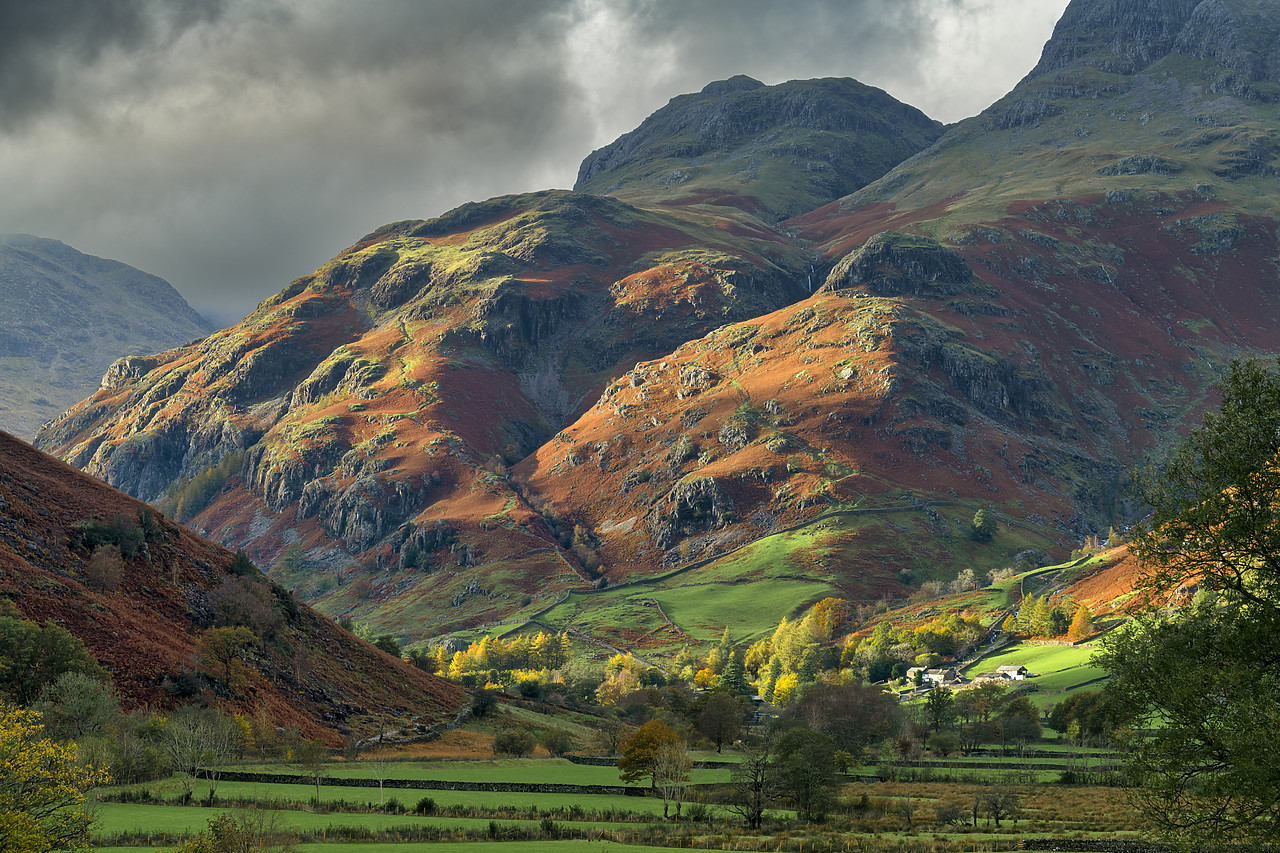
pixel 692 506
pixel 66 316
pixel 892 264
pixel 787 148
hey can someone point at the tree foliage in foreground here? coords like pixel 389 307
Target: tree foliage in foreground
pixel 1204 676
pixel 42 787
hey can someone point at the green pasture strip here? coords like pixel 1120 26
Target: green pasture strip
pixel 1049 663
pixel 116 818
pixel 557 771
pixel 266 791
pixel 704 611
pixel 565 846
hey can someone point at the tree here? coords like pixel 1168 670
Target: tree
pixel 200 741
pixel 33 655
pixel 753 783
pixel 671 765
pixel 556 741
pixel 721 718
pixel 1081 624
pixel 1000 802
pixel 1204 677
pixel 939 708
pixel 984 526
pixel 313 761
pixel 852 716
pixel 42 787
pixel 76 705
pixel 516 743
pixel 640 751
pixel 807 772
pixel 221 652
pixel 104 568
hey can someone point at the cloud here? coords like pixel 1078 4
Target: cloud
pixel 232 146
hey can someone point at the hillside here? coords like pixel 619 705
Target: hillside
pixel 66 316
pixel 145 624
pixel 529 394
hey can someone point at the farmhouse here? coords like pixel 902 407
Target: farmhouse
pixel 1013 672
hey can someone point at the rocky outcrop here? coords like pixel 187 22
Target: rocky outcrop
pixel 692 506
pixel 892 264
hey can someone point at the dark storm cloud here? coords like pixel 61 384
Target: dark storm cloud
pixel 44 43
pixel 232 146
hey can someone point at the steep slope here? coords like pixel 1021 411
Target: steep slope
pixel 775 151
pixel 65 316
pixel 377 401
pixel 146 623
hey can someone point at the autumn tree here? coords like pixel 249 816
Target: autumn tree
pixel 42 787
pixel 104 568
pixel 1081 624
pixel 640 751
pixel 221 652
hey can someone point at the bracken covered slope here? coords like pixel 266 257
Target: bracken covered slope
pixel 65 316
pixel 1011 318
pixel 301 669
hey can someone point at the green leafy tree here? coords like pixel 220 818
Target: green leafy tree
pixel 33 655
pixel 939 708
pixel 75 705
pixel 516 743
pixel 1203 678
pixel 807 772
pixel 984 526
pixel 721 718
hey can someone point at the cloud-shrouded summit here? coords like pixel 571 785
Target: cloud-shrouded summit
pixel 231 145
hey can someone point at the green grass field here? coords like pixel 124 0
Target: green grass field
pixel 550 770
pixel 1058 669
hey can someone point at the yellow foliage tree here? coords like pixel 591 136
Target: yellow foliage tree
pixel 42 788
pixel 784 689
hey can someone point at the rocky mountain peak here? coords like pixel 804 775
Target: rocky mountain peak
pixel 1115 36
pixel 777 150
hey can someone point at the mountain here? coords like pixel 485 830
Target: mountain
pixel 539 393
pixel 378 401
pixel 65 316
pixel 145 618
pixel 776 151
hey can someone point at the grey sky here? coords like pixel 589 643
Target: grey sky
pixel 232 145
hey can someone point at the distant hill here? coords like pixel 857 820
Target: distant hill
pixel 66 316
pixel 145 626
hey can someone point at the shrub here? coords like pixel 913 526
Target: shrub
pixel 516 743
pixel 426 805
